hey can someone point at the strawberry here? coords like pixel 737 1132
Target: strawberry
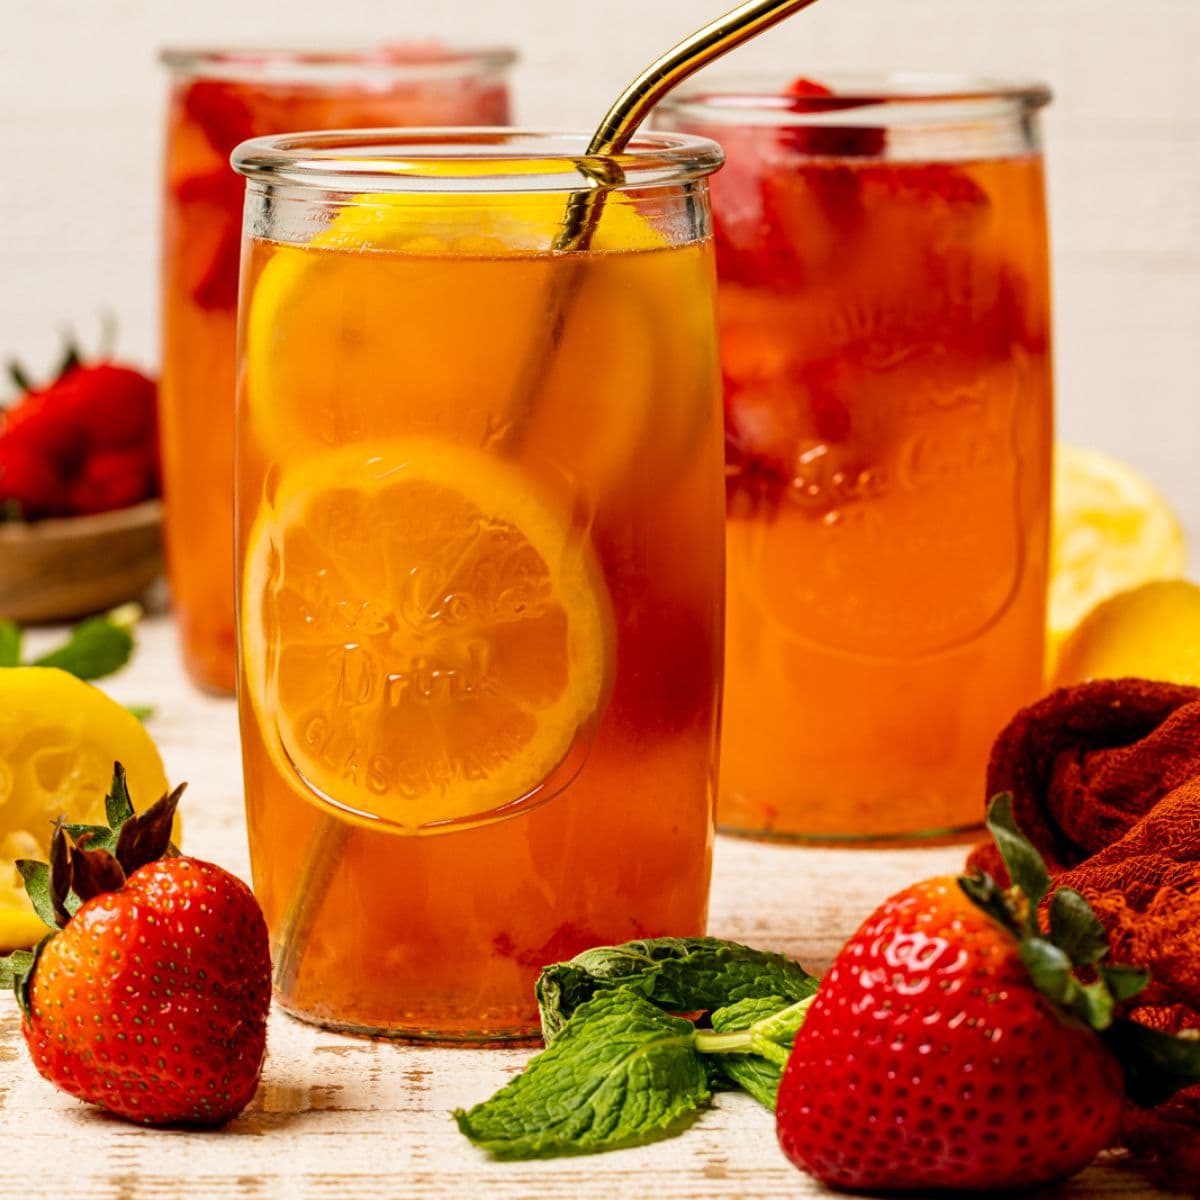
pixel 955 1045
pixel 829 141
pixel 151 997
pixel 88 442
pixel 30 486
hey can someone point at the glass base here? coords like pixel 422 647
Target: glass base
pixel 856 841
pixel 415 1035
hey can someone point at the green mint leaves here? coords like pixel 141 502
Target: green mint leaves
pixel 619 1070
pixel 750 1042
pixel 621 1073
pixel 679 974
pixel 95 648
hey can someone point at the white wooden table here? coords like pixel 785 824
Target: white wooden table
pixel 342 1117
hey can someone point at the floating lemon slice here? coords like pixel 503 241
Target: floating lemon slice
pixel 59 738
pixel 1112 532
pixel 1149 632
pixel 427 638
pixel 406 334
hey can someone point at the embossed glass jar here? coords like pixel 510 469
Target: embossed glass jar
pixel 220 97
pixel 480 527
pixel 885 338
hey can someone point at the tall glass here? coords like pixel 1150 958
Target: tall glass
pixel 479 512
pixel 885 338
pixel 218 99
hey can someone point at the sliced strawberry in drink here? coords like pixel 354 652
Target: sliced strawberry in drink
pixel 813 211
pixel 216 288
pixel 223 188
pixel 221 111
pixel 829 141
pixel 941 184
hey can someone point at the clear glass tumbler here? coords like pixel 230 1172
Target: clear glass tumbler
pixel 218 99
pixel 480 531
pixel 885 339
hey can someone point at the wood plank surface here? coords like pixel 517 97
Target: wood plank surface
pixel 343 1117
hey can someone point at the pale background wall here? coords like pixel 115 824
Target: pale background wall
pixel 80 98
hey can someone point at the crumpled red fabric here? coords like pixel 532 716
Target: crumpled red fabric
pixel 1105 780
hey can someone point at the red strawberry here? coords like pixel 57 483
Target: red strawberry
pixel 116 407
pixel 88 442
pixel 829 141
pixel 112 479
pixel 952 1044
pixel 30 487
pixel 151 1000
pixel 222 110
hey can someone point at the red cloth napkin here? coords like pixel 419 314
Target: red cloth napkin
pixel 1105 780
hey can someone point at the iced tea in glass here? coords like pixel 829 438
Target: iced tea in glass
pixel 218 99
pixel 885 339
pixel 480 531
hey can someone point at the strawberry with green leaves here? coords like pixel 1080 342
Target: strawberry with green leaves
pixel 957 1044
pixel 150 999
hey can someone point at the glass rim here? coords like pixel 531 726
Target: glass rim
pixel 417 60
pixel 489 160
pixel 859 97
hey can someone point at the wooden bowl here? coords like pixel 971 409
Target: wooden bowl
pixel 67 567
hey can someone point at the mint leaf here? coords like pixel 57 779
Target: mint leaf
pixel 756 1075
pixel 143 712
pixel 97 647
pixel 751 1040
pixel 10 644
pixel 676 974
pixel 620 1073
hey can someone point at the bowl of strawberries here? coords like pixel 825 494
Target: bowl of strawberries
pixel 80 516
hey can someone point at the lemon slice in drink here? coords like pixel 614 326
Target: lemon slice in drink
pixel 59 738
pixel 427 638
pixel 422 315
pixel 409 338
pixel 1112 532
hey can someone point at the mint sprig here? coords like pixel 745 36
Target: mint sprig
pixel 620 1070
pixel 750 1042
pixel 678 974
pixel 95 648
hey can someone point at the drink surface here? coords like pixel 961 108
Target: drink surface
pixel 207 118
pixel 885 344
pixel 481 616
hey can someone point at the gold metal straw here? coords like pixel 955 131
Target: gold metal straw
pixel 327 843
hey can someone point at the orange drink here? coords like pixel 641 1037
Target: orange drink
pixel 479 515
pixel 218 99
pixel 885 341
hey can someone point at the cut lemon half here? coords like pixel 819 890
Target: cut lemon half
pixel 1148 632
pixel 427 638
pixel 1112 532
pixel 59 738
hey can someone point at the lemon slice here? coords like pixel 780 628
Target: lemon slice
pixel 1148 632
pixel 374 287
pixel 59 738
pixel 426 637
pixel 1112 532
